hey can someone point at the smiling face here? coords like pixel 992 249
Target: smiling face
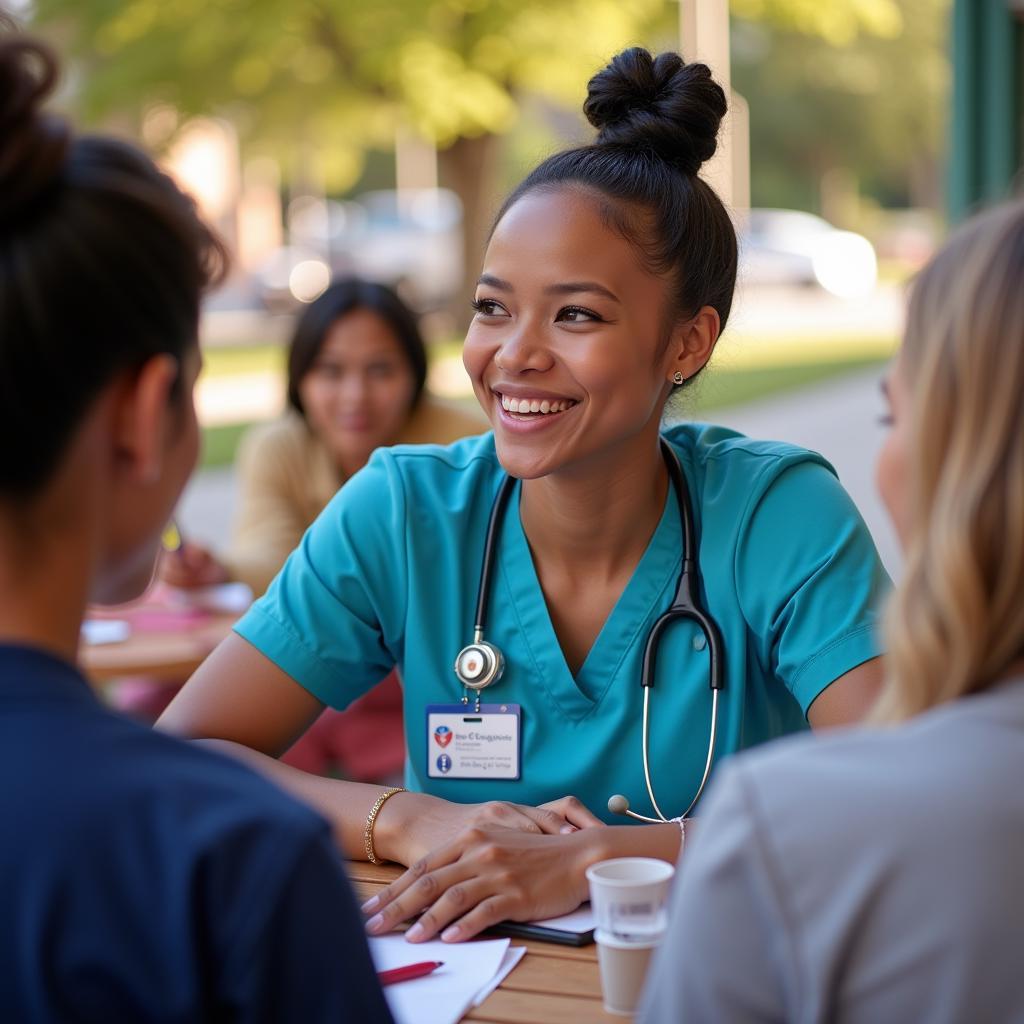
pixel 568 351
pixel 358 393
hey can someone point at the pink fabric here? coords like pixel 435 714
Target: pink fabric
pixel 142 697
pixel 365 742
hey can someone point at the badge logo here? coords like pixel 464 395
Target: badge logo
pixel 443 735
pixel 444 764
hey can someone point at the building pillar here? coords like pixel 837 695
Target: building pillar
pixel 988 103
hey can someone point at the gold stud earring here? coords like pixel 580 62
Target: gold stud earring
pixel 678 378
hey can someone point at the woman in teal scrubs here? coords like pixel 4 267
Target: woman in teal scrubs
pixel 605 286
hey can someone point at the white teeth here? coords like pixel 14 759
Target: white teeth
pixel 529 406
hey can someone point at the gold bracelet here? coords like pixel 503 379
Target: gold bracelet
pixel 371 818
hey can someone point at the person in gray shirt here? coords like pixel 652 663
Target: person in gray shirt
pixel 877 874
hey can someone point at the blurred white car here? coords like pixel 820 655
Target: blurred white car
pixel 791 247
pixel 410 240
pixel 289 276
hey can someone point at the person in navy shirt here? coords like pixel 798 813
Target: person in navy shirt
pixel 141 878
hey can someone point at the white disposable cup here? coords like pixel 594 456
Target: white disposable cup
pixel 629 897
pixel 623 970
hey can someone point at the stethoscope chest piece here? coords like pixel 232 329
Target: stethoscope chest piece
pixel 478 665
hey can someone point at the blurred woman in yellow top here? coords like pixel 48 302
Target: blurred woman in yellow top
pixel 357 370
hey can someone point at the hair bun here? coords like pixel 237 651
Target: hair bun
pixel 33 145
pixel 657 103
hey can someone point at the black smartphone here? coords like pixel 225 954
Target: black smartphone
pixel 520 930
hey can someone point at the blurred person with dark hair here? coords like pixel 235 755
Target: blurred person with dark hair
pixel 357 370
pixel 141 879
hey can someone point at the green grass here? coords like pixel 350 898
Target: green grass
pixel 726 386
pixel 220 444
pixel 720 387
pixel 230 362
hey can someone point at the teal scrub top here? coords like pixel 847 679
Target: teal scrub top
pixel 388 574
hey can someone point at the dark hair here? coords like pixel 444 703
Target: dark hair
pixel 657 120
pixel 340 299
pixel 102 264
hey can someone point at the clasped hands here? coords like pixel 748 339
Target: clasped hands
pixel 507 861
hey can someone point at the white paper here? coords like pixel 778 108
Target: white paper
pixel 580 920
pixel 447 994
pixel 229 598
pixel 105 631
pixel 512 957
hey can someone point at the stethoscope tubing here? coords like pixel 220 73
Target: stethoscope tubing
pixel 490 546
pixel 684 606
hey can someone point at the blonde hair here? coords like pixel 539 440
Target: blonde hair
pixel 956 622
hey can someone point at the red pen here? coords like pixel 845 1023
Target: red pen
pixel 409 972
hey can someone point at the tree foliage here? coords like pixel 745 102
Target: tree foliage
pixel 875 109
pixel 344 73
pixel 302 73
pixel 316 83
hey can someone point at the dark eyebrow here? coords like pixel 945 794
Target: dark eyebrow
pixel 495 282
pixel 571 287
pixel 568 288
pixel 883 386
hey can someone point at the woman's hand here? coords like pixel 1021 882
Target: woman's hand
pixel 411 825
pixel 574 811
pixel 191 566
pixel 486 876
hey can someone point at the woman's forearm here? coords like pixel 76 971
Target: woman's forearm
pixel 592 845
pixel 596 844
pixel 345 805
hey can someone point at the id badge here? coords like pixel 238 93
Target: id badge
pixel 466 744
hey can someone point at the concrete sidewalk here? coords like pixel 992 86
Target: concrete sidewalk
pixel 838 418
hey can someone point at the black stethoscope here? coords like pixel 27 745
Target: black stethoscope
pixel 480 664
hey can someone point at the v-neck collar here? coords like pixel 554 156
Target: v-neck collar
pixel 624 629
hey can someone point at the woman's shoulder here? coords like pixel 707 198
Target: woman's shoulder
pixel 285 437
pixel 950 756
pixel 456 476
pixel 468 457
pixel 726 466
pixel 436 421
pixel 709 447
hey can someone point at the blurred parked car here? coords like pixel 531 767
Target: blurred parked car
pixel 290 276
pixel 410 240
pixel 791 247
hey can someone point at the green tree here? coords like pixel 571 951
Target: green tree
pixel 329 78
pixel 873 106
pixel 325 80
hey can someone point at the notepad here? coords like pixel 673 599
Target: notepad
pixel 105 631
pixel 471 972
pixel 219 598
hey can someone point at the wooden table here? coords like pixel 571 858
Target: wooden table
pixel 551 985
pixel 169 657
